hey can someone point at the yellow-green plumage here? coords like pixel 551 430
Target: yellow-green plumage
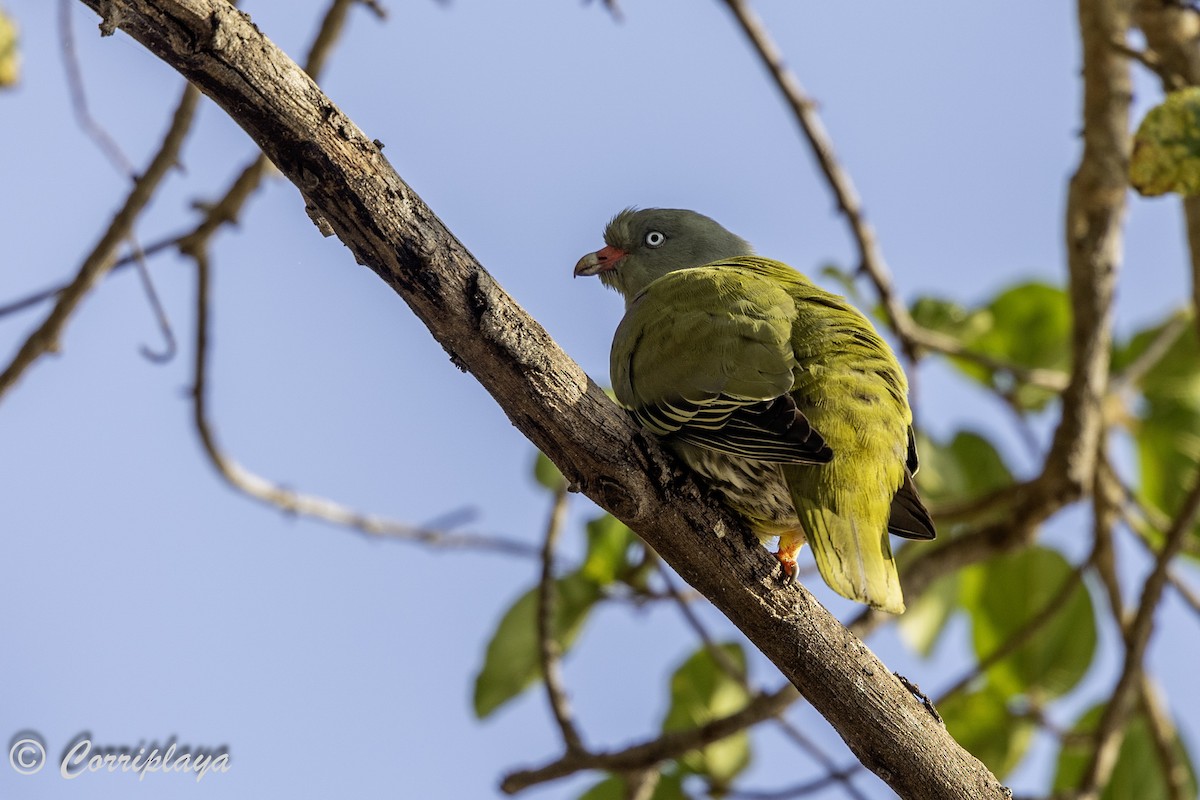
pixel 781 394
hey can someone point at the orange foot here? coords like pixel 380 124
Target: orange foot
pixel 789 545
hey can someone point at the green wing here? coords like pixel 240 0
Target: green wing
pixel 705 356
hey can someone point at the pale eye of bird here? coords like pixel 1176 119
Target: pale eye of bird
pixel 655 239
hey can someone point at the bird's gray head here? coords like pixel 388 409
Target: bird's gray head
pixel 644 245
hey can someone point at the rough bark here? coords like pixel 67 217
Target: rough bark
pixel 349 185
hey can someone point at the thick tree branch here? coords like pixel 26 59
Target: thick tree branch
pixel 345 178
pixel 1095 211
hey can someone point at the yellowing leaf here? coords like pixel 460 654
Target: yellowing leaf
pixel 10 56
pixel 608 543
pixel 1166 147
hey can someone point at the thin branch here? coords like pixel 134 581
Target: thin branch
pixel 1019 637
pixel 1149 358
pixel 549 651
pixel 44 295
pixel 228 208
pixel 935 341
pixel 653 751
pixel 376 8
pixel 79 105
pixel 719 656
pixel 1110 731
pixel 160 313
pixel 804 110
pixel 293 502
pixel 1165 739
pixel 1189 595
pixel 47 336
pixel 734 671
pixel 1151 61
pixel 989 504
pixel 799 790
pixel 31 300
pixel 1107 496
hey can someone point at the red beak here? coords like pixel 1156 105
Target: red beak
pixel 604 260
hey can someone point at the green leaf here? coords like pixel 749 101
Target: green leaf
pixel 10 55
pixel 844 279
pixel 1004 593
pixel 950 318
pixel 611 788
pixel 609 541
pixel 1167 425
pixel 1027 325
pixel 966 467
pixel 1166 147
pixel 982 722
pixel 922 624
pixel 511 663
pixel 669 787
pixel 545 473
pixel 1138 772
pixel 701 691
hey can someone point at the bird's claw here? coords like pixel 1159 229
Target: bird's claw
pixel 791 571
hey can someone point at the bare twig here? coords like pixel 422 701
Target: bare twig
pixel 31 300
pixel 1110 731
pixel 549 651
pixel 719 656
pixel 44 295
pixel 1107 498
pixel 160 313
pixel 937 342
pixel 1165 739
pixel 1151 61
pixel 1189 595
pixel 46 337
pixel 375 8
pixel 658 749
pixel 79 105
pixel 804 110
pixel 1149 358
pixel 294 502
pixel 734 671
pixel 799 790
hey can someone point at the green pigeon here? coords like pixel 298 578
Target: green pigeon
pixel 780 394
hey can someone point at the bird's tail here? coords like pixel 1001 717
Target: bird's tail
pixel 854 559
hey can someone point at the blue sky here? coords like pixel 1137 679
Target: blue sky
pixel 144 599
